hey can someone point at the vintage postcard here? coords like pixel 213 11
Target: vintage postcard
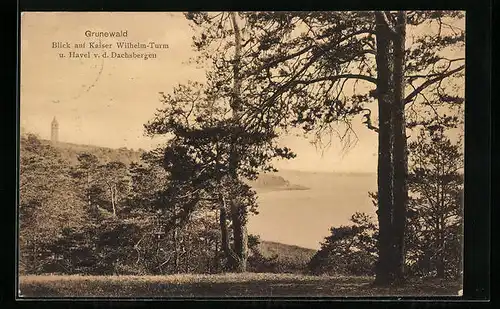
pixel 241 154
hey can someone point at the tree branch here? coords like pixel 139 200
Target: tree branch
pixel 368 120
pixel 337 77
pixel 429 82
pixel 450 61
pixel 285 58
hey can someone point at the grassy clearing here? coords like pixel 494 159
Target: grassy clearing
pixel 223 285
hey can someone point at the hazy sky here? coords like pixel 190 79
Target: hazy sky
pixel 106 102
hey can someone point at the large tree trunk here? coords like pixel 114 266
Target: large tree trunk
pixel 440 235
pixel 440 267
pixel 240 237
pixel 400 157
pixel 175 240
pixel 385 182
pixel 175 236
pixel 231 256
pixel 216 253
pixel 237 213
pixel 441 223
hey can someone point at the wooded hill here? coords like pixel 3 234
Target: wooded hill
pixel 70 151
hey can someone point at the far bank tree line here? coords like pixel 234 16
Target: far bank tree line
pixel 269 72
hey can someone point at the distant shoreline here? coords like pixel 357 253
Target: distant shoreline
pixel 354 173
pixel 282 188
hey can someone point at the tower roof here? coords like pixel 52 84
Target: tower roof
pixel 54 121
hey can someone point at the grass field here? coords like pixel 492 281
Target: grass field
pixel 223 285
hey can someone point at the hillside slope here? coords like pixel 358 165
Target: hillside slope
pixel 286 253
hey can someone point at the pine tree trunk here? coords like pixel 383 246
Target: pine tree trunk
pixel 237 213
pixel 385 182
pixel 113 200
pixel 400 157
pixel 88 190
pixel 441 201
pixel 240 238
pixel 231 256
pixel 216 253
pixel 208 246
pixel 188 259
pixel 440 267
pixel 175 237
pixel 115 196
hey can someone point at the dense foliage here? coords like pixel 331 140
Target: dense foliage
pixel 101 217
pixel 349 250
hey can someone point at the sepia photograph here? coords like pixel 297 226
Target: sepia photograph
pixel 241 154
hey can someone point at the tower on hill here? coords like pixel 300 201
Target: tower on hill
pixel 54 134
